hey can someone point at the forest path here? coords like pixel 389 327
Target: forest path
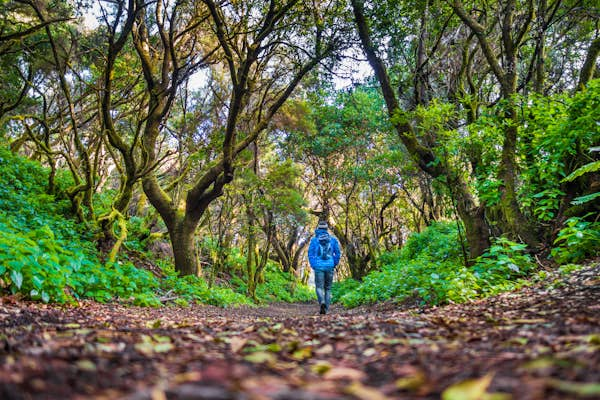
pixel 538 343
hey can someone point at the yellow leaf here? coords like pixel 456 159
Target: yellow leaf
pixel 527 321
pixel 261 357
pixel 86 365
pixel 362 392
pixel 302 354
pixel 411 382
pixel 154 324
pixel 539 364
pixel 321 367
pixel 471 389
pixel 580 389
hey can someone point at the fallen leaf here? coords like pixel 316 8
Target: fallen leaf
pixel 261 357
pixel 369 352
pixel 539 364
pixel 237 343
pixel 362 392
pixel 320 367
pixel 111 347
pixel 302 354
pixel 154 344
pixel 412 382
pixel 339 373
pixel 521 341
pixel 158 394
pixel 86 365
pixel 327 349
pixel 471 389
pixel 190 376
pixel 527 321
pixel 154 324
pixel 581 389
pixel 289 332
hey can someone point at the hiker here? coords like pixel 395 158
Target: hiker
pixel 323 256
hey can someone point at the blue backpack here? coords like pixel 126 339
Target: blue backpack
pixel 324 252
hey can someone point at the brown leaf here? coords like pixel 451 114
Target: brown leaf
pixel 341 373
pixel 237 343
pixel 327 349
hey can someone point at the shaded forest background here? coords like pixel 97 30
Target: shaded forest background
pixel 183 151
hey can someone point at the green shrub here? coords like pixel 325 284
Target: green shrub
pixel 338 289
pixel 40 266
pixel 281 286
pixel 429 269
pixel 195 289
pixel 576 241
pixel 45 255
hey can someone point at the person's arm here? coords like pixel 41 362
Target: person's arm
pixel 312 252
pixel 337 254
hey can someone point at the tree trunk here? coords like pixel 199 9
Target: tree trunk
pixel 184 249
pixel 513 220
pixel 589 65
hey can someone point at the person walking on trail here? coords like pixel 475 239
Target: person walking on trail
pixel 323 255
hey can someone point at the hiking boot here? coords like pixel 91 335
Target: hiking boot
pixel 323 310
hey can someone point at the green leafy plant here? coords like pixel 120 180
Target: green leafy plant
pixel 46 256
pixel 577 240
pixel 505 261
pixel 429 270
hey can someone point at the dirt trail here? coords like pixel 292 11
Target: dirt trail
pixel 538 343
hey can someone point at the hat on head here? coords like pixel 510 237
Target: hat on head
pixel 322 225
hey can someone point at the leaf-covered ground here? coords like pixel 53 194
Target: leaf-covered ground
pixel 542 342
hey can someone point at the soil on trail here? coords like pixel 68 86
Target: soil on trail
pixel 542 342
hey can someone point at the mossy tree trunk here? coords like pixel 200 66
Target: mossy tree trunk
pixel 504 67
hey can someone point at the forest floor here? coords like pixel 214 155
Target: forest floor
pixel 542 342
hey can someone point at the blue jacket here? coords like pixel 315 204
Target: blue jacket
pixel 315 261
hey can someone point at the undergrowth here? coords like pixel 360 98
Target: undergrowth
pixel 429 269
pixel 45 255
pixel 275 286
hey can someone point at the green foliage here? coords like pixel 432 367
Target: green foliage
pixel 569 268
pixel 192 288
pixel 502 264
pixel 557 132
pixel 428 269
pixel 338 289
pixel 585 169
pixel 44 255
pixel 279 286
pixel 42 267
pixel 436 243
pixel 577 240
